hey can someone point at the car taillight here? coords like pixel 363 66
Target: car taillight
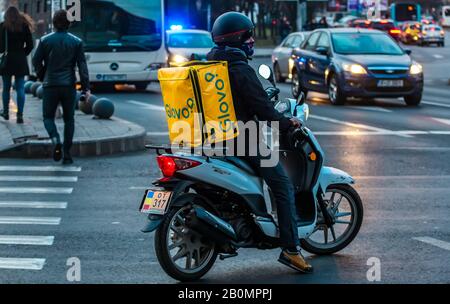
pixel 170 164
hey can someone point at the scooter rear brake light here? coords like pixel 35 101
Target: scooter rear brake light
pixel 170 164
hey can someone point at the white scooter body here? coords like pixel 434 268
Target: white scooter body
pixel 226 175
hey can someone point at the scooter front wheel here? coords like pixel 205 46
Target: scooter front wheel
pixel 346 209
pixel 184 254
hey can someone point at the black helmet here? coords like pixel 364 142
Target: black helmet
pixel 232 29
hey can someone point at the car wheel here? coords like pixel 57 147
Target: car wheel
pixel 278 77
pixel 335 94
pixel 413 100
pixel 297 86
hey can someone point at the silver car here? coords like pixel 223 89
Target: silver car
pixel 281 56
pixel 184 45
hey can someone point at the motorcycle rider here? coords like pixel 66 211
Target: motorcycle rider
pixel 233 34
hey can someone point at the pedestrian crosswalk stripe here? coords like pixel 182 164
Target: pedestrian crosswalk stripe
pixel 56 179
pixel 33 205
pixel 26 240
pixel 36 190
pixel 437 104
pixel 434 242
pixel 22 264
pixel 20 220
pixel 40 168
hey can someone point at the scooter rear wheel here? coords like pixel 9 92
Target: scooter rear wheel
pixel 346 208
pixel 182 253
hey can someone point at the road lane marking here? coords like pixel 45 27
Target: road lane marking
pixel 33 205
pixel 358 126
pixel 20 220
pixel 36 190
pixel 374 109
pixel 401 177
pixel 146 105
pixel 26 240
pixel 40 168
pixel 442 120
pixel 22 264
pixel 437 104
pixel 438 56
pixel 138 188
pixel 434 242
pixel 56 179
pixel 157 133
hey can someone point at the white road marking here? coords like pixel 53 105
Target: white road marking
pixel 22 264
pixel 374 109
pixel 401 177
pixel 33 205
pixel 358 126
pixel 36 190
pixel 437 104
pixel 146 105
pixel 138 188
pixel 56 179
pixel 157 133
pixel 19 220
pixel 437 56
pixel 26 240
pixel 434 242
pixel 442 120
pixel 40 168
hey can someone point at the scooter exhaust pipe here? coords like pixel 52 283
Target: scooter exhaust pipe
pixel 210 225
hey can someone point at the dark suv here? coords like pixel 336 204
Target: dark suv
pixel 356 63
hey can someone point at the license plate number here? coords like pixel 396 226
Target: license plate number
pixel 390 83
pixel 114 77
pixel 155 202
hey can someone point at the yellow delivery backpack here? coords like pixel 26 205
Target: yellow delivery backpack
pixel 198 102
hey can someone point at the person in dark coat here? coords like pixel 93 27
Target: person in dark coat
pixel 56 61
pixel 17 28
pixel 233 33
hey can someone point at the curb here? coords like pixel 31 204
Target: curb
pixel 135 141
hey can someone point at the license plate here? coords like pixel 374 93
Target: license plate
pixel 114 77
pixel 390 83
pixel 155 202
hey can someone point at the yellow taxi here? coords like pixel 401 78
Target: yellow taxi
pixel 411 32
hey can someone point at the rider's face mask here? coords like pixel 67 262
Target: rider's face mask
pixel 248 47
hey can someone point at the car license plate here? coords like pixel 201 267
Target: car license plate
pixel 390 83
pixel 155 202
pixel 114 77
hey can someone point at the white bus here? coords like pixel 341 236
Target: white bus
pixel 445 21
pixel 124 40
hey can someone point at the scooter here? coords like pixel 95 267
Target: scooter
pixel 208 207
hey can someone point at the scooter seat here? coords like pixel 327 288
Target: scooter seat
pixel 241 164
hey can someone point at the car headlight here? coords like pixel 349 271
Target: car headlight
pixel 179 59
pixel 415 68
pixel 356 69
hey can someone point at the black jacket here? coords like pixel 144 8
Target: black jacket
pixel 249 97
pixel 56 58
pixel 20 45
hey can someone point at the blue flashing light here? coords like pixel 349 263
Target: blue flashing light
pixel 176 27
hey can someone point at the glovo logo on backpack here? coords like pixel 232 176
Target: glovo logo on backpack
pixel 198 103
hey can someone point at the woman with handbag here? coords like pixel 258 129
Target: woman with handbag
pixel 16 43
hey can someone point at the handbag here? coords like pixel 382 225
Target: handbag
pixel 4 56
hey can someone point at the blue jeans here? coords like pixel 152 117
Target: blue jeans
pixel 20 89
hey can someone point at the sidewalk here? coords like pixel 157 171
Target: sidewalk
pixel 93 137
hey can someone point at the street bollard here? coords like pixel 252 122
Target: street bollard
pixel 103 108
pixel 34 88
pixel 40 92
pixel 28 85
pixel 86 105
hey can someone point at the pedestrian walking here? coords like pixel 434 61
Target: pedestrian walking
pixel 16 43
pixel 55 61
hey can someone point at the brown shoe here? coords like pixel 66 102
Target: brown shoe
pixel 295 261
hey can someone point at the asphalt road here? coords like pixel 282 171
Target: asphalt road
pixel 399 157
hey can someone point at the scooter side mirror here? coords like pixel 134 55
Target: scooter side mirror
pixel 266 72
pixel 301 99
